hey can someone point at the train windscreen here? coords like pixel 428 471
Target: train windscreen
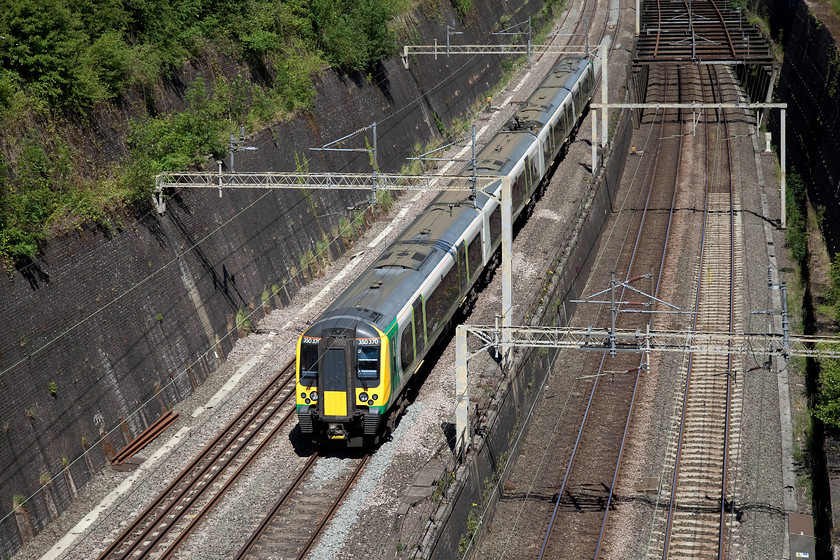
pixel 309 361
pixel 368 362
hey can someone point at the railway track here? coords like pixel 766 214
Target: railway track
pixel 585 494
pixel 165 524
pixel 296 521
pixel 696 524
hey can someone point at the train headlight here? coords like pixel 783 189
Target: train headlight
pixel 314 396
pixel 363 397
pixel 374 397
pixel 303 395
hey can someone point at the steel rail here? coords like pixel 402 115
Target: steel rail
pixel 182 536
pixel 687 4
pixel 658 26
pixel 688 374
pixel 266 523
pixel 688 384
pixel 725 30
pixel 581 429
pixel 194 470
pixel 335 505
pixel 731 320
pixel 572 458
pixel 261 528
pixel 641 360
pixel 604 355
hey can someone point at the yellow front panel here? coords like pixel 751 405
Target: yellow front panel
pixel 335 403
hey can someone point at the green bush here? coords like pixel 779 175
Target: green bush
pixel 833 292
pixel 827 408
pixel 75 54
pixel 174 142
pixel 797 229
pixel 108 56
pixel 462 7
pixel 353 34
pixel 8 88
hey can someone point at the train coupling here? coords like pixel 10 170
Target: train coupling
pixel 337 431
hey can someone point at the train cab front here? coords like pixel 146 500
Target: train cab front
pixel 342 388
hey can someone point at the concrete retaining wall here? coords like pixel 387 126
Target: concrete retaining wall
pixel 106 330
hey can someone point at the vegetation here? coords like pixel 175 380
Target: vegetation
pixel 462 7
pixel 827 407
pixel 797 227
pixel 243 323
pixel 75 54
pixel 59 59
pixel 833 293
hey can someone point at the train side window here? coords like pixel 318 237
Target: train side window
pixel 474 256
pixel 367 362
pixel 496 225
pixel 419 325
pixel 407 346
pixel 548 151
pixel 395 371
pixel 442 299
pixel 462 267
pixel 569 118
pixel 518 194
pixel 534 174
pixel 308 362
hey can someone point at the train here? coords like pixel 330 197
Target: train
pixel 356 360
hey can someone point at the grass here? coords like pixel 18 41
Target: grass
pixel 243 323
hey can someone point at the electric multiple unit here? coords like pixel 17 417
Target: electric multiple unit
pixel 354 362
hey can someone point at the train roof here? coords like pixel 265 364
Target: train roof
pixel 346 322
pixel 501 154
pixel 548 96
pixel 382 290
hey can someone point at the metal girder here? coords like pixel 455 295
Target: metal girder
pixel 332 181
pixel 327 181
pixel 656 341
pixel 619 340
pixel 441 50
pixel 448 50
pixel 655 105
pixel 698 32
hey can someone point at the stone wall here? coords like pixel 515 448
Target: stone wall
pixel 108 329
